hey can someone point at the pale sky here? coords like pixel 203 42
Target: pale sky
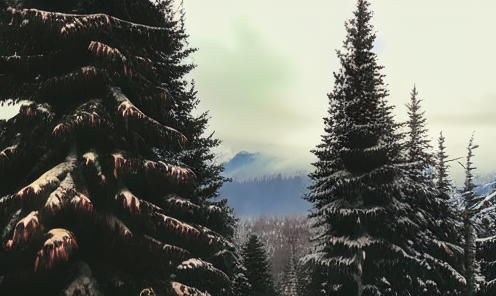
pixel 265 67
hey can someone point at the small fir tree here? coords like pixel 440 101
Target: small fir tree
pixel 417 145
pixel 257 268
pixel 443 183
pixel 471 265
pixel 438 233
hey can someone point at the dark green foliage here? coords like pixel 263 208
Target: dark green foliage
pixel 106 181
pixel 439 234
pixel 372 234
pixel 443 183
pixel 257 268
pixel 471 265
pixel 417 145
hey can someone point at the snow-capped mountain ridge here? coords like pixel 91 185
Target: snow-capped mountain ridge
pixel 264 185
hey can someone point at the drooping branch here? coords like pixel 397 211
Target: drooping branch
pixel 115 225
pixel 85 80
pixel 129 112
pixel 90 115
pixel 81 202
pixel 48 181
pixel 157 170
pixel 26 227
pixel 130 64
pixel 26 66
pixel 183 290
pixel 129 201
pixel 57 248
pixel 190 212
pixel 174 253
pixel 75 26
pixel 196 268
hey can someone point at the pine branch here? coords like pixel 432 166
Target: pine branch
pixel 158 131
pixel 47 182
pixel 156 170
pixel 24 229
pixel 57 248
pixel 75 26
pixel 183 290
pixel 89 116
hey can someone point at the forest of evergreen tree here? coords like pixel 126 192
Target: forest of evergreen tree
pixel 109 184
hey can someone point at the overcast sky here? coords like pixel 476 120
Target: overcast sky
pixel 265 67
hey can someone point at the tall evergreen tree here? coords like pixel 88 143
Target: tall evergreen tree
pixel 417 144
pixel 368 226
pixel 257 268
pixel 472 268
pixel 98 195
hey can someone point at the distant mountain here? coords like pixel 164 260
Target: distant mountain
pixel 262 187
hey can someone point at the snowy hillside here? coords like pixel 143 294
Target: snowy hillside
pixel 260 187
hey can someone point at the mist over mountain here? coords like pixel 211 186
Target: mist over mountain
pixel 262 185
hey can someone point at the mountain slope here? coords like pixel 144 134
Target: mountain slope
pixel 262 187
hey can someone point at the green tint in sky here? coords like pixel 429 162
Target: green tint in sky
pixel 265 68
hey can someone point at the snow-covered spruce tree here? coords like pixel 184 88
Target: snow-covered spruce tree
pixel 471 265
pixel 439 237
pixel 87 204
pixel 417 144
pixel 486 248
pixel 442 180
pixel 366 242
pixel 257 268
pixel 291 276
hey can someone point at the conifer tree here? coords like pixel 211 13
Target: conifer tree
pixel 472 268
pixel 368 227
pixel 439 234
pixel 443 183
pixel 95 195
pixel 417 144
pixel 257 268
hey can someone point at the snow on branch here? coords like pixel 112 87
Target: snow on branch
pixel 159 170
pixel 89 115
pixel 127 110
pixel 91 158
pixel 174 253
pixel 129 64
pixel 72 25
pixel 194 264
pixel 48 181
pixel 24 229
pixel 358 243
pixel 483 202
pixel 177 227
pixel 178 204
pixel 7 153
pixel 57 248
pixel 182 290
pixel 81 202
pixel 129 201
